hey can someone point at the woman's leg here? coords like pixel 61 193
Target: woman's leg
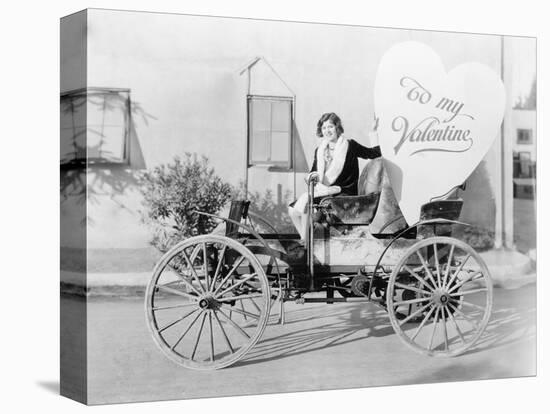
pixel 298 215
pixel 297 219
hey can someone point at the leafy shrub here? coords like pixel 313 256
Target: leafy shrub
pixel 479 238
pixel 267 207
pixel 173 192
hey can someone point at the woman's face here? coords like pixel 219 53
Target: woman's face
pixel 329 130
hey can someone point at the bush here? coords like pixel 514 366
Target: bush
pixel 267 207
pixel 479 238
pixel 173 192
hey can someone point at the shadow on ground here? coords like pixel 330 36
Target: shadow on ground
pixel 508 325
pixel 344 325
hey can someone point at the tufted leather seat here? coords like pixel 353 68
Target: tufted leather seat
pixel 350 210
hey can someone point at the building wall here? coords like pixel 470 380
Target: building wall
pixel 183 73
pixel 525 119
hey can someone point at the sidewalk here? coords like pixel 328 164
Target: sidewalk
pixel 509 270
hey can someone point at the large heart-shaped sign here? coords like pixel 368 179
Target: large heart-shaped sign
pixel 434 127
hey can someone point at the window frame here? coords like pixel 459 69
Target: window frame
pixel 102 91
pixel 528 132
pixel 276 165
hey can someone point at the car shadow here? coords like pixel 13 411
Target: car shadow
pixel 507 326
pixel 511 322
pixel 355 324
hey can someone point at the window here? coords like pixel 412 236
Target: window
pixel 525 136
pixel 270 131
pixel 95 126
pixel 524 156
pixel 524 166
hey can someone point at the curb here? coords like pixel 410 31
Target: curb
pixel 104 284
pixel 509 269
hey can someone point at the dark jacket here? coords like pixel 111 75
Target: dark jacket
pixel 348 178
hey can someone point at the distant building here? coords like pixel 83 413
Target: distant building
pixel 524 118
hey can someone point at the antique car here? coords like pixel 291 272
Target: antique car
pixel 211 296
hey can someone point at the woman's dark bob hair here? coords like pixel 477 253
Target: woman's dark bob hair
pixel 332 117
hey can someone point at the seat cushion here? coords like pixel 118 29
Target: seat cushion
pixel 351 210
pixel 445 209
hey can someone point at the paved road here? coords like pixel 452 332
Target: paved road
pixel 320 347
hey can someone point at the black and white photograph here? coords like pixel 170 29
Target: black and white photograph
pixel 278 207
pixel 252 206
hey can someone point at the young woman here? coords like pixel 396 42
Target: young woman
pixel 336 161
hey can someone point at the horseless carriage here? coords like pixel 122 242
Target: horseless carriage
pixel 211 296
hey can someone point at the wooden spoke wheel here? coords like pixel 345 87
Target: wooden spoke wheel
pixel 208 302
pixel 440 297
